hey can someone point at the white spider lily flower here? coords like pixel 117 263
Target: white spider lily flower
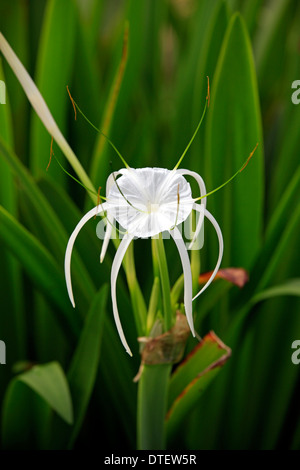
pixel 147 202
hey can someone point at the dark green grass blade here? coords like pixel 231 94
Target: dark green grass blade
pixel 10 276
pixel 50 383
pixel 13 24
pixel 53 70
pixel 233 129
pixel 187 78
pixel 39 264
pixel 80 377
pixel 207 62
pixel 54 235
pixel 191 378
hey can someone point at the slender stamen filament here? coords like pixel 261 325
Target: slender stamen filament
pixel 51 153
pixel 177 211
pixel 232 177
pixel 74 107
pixel 120 232
pixel 73 177
pixel 208 92
pixel 98 200
pixel 123 195
pixel 197 128
pixel 98 130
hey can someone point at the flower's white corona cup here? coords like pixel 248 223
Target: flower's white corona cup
pixel 148 201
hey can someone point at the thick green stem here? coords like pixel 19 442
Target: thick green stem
pixel 152 406
pixel 154 380
pixel 137 299
pixel 195 268
pixel 165 281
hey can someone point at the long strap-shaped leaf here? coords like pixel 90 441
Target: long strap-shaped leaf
pixel 39 264
pixel 42 109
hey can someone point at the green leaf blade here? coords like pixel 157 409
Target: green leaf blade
pixel 83 369
pixel 54 66
pixel 233 130
pixel 26 414
pixel 192 377
pixel 49 381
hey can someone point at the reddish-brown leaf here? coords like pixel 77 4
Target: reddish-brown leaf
pixel 237 276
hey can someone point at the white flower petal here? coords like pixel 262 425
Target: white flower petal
pixel 114 274
pixel 110 220
pixel 96 210
pixel 207 214
pixel 202 188
pixel 188 285
pixel 130 173
pixel 107 237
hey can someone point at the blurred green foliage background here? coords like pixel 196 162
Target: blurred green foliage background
pixel 250 51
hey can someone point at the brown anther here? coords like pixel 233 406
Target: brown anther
pixel 208 92
pixel 249 158
pixel 98 201
pixel 73 103
pixel 51 153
